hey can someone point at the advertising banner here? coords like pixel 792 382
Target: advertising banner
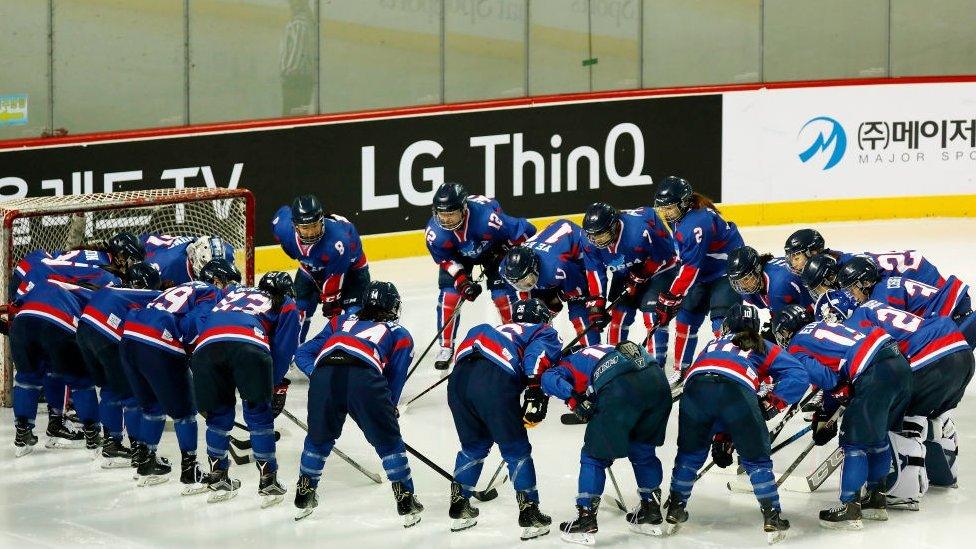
pixel 381 173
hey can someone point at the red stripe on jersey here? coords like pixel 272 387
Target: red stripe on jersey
pixel 768 362
pixel 134 329
pixel 828 361
pixel 247 333
pixel 98 317
pixel 686 277
pixel 727 365
pixel 896 301
pixel 868 346
pixel 361 262
pixel 952 297
pixel 290 306
pixel 402 343
pixel 937 346
pixel 51 313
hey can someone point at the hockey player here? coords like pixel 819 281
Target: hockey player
pixel 246 344
pixel 357 366
pixel 155 356
pixel 819 275
pixel 863 370
pixel 180 258
pixel 494 364
pixel 637 248
pixel 862 278
pixel 332 266
pixel 721 390
pixel 701 286
pixel 468 230
pixel 555 265
pixel 625 399
pixel 764 281
pixel 98 336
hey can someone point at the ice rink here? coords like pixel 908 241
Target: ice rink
pixel 59 498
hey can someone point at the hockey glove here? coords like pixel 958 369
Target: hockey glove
pixel 585 406
pixel 635 283
pixel 842 394
pixel 722 449
pixel 767 333
pixel 554 303
pixel 468 289
pixel 771 405
pixel 596 310
pixel 824 430
pixel 331 305
pixel 534 406
pixel 667 307
pixel 279 396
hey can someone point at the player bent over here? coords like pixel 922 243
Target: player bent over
pixel 99 334
pixel 494 365
pixel 154 348
pixel 720 396
pixel 863 368
pixel 245 345
pixel 625 399
pixel 468 230
pixel 357 366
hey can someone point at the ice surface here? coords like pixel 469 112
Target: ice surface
pixel 60 498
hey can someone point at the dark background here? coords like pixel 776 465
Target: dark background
pixel 682 135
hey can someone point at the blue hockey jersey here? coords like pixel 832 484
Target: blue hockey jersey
pixel 523 350
pixel 919 298
pixel 39 266
pixel 750 368
pixel 567 260
pixel 834 353
pixel 58 303
pixel 168 255
pixel 644 246
pixel 386 346
pixel 328 260
pixel 244 314
pixel 780 288
pixel 108 307
pixel 173 320
pixel 909 264
pixel 485 229
pixel 704 241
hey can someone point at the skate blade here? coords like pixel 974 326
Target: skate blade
pixel 221 496
pixel 21 451
pixel 671 529
pixel 303 513
pixel 150 480
pixel 271 501
pixel 775 537
pixel 457 525
pixel 115 463
pixel 874 514
pixel 194 489
pixel 532 532
pixel 579 538
pixel 843 525
pixel 56 443
pixel 648 529
pixel 411 519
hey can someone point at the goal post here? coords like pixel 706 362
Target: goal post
pixel 60 223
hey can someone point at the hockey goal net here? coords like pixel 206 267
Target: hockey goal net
pixel 57 223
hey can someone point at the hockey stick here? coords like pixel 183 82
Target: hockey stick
pixel 482 495
pixel 372 476
pixel 424 392
pixel 619 500
pixel 245 444
pixel 238 458
pixel 833 419
pixel 825 469
pixel 792 411
pixel 491 482
pixel 450 321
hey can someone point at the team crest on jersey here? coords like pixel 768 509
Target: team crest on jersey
pixel 167 336
pixel 114 321
pixel 894 282
pixel 258 332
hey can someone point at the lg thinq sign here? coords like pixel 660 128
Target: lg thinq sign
pixel 848 142
pixel 537 160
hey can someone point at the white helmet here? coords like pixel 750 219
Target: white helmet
pixel 202 250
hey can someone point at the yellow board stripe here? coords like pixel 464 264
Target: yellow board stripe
pixel 412 244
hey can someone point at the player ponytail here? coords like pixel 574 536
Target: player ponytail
pixel 700 201
pixel 749 340
pixel 765 258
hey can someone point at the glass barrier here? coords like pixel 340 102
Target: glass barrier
pixel 25 100
pixel 934 37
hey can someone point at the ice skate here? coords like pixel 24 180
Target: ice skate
pixel 222 487
pixel 874 505
pixel 443 358
pixel 533 522
pixel 152 470
pixel 407 505
pixel 306 500
pixel 464 516
pixel 93 439
pixel 60 437
pixel 24 440
pixel 846 516
pixel 193 479
pixel 114 454
pixel 773 524
pixel 139 451
pixel 647 518
pixel 581 530
pixel 270 490
pixel 675 513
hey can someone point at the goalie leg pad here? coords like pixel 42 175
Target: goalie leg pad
pixel 907 480
pixel 942 449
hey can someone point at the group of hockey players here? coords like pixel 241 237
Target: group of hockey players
pixel 881 344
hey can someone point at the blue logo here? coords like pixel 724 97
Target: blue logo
pixel 835 141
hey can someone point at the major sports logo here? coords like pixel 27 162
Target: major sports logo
pixel 823 137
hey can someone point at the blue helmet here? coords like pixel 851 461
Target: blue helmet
pixel 522 266
pixel 306 213
pixel 126 248
pixel 450 198
pixel 788 322
pixel 835 306
pixel 674 196
pixel 820 270
pixel 277 284
pixel 381 302
pixel 531 311
pixel 601 224
pixel 219 269
pixel 740 317
pixel 143 276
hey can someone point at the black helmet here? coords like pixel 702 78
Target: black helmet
pixel 531 311
pixel 126 248
pixel 808 242
pixel 279 285
pixel 381 302
pixel 522 268
pixel 307 210
pixel 789 321
pixel 743 262
pixel 219 269
pixel 673 191
pixel 450 197
pixel 741 317
pixel 860 271
pixel 820 270
pixel 143 276
pixel 600 222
